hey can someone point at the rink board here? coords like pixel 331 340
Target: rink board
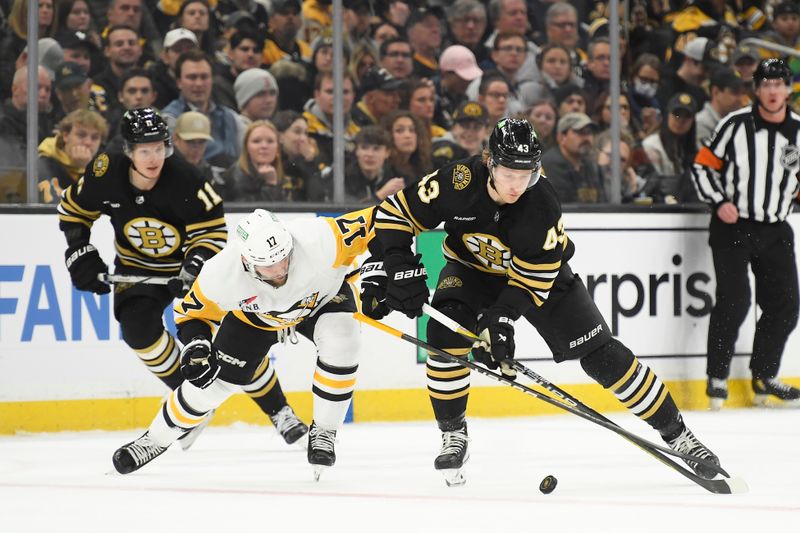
pixel 64 367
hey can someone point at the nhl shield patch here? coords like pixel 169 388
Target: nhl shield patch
pixel 790 157
pixel 461 177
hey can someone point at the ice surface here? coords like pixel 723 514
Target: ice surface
pixel 245 478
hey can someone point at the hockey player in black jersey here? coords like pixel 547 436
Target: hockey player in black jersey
pixel 507 255
pixel 167 222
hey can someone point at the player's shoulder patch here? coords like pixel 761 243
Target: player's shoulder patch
pixel 100 165
pixel 462 176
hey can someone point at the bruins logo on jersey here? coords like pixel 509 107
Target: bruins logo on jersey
pixel 152 237
pixel 100 165
pixel 450 282
pixel 493 255
pixel 461 177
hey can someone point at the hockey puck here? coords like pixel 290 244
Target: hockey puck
pixel 548 484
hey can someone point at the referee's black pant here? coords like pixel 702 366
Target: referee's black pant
pixel 769 250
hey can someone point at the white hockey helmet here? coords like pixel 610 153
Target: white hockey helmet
pixel 263 241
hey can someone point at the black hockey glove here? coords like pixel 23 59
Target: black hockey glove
pixel 190 269
pixel 373 290
pixel 198 364
pixel 84 265
pixel 496 347
pixel 406 289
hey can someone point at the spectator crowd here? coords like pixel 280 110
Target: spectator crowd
pixel 247 87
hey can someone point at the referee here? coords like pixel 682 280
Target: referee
pixel 748 173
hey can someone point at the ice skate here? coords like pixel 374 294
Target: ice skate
pixel 717 392
pixel 188 438
pixel 453 456
pixel 766 387
pixel 289 426
pixel 688 444
pixel 321 454
pixel 136 454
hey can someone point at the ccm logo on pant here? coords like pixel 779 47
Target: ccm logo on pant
pixel 410 273
pixel 587 337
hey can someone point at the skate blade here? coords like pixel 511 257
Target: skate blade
pixel 715 404
pixel 454 477
pixel 318 470
pixel 737 485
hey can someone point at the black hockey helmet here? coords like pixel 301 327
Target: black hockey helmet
pixel 514 144
pixel 144 125
pixel 772 69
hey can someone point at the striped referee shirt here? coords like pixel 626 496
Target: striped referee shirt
pixel 752 163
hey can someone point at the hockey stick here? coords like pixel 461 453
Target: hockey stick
pixel 570 400
pixel 123 278
pixel 722 486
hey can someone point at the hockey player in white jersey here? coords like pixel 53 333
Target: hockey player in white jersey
pixel 273 281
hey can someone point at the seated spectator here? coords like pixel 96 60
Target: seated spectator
pixel 508 54
pixel 382 32
pixel 243 53
pixel 322 55
pixel 282 42
pixel 78 48
pixel 13 119
pixel 365 55
pixel 744 61
pixel 727 93
pixel 494 93
pixel 597 74
pixel 570 99
pixel 74 16
pixel 123 51
pixel 419 97
pixel 562 28
pixel 543 116
pixel 396 57
pixel 699 55
pixel 633 186
pixel 467 22
pixel 381 95
pixel 193 71
pixel 467 136
pixel 368 176
pixel 244 14
pixel 511 16
pixel 72 88
pixel 258 175
pixel 602 114
pixel 256 95
pixel 410 151
pixel 195 16
pixel 299 155
pixel 672 149
pixel 356 17
pixel 457 69
pixel 786 24
pixel 319 115
pixel 176 42
pixel 137 90
pixel 645 77
pixel 424 32
pixel 570 165
pixel 555 69
pixel 192 133
pixel 63 158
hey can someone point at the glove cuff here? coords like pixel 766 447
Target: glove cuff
pixel 73 254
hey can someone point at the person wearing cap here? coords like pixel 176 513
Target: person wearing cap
pixel 424 30
pixel 123 50
pixel 748 174
pixel 63 157
pixel 256 95
pixel 744 60
pixel 194 77
pixel 785 24
pixel 698 55
pixel 176 42
pixel 243 53
pixel 672 148
pixel 192 134
pixel 78 48
pixel 319 114
pixel 466 20
pixel 571 165
pixel 727 92
pixel 396 56
pixel 13 114
pixel 72 89
pixel 282 41
pixel 380 96
pixel 467 136
pixel 457 68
